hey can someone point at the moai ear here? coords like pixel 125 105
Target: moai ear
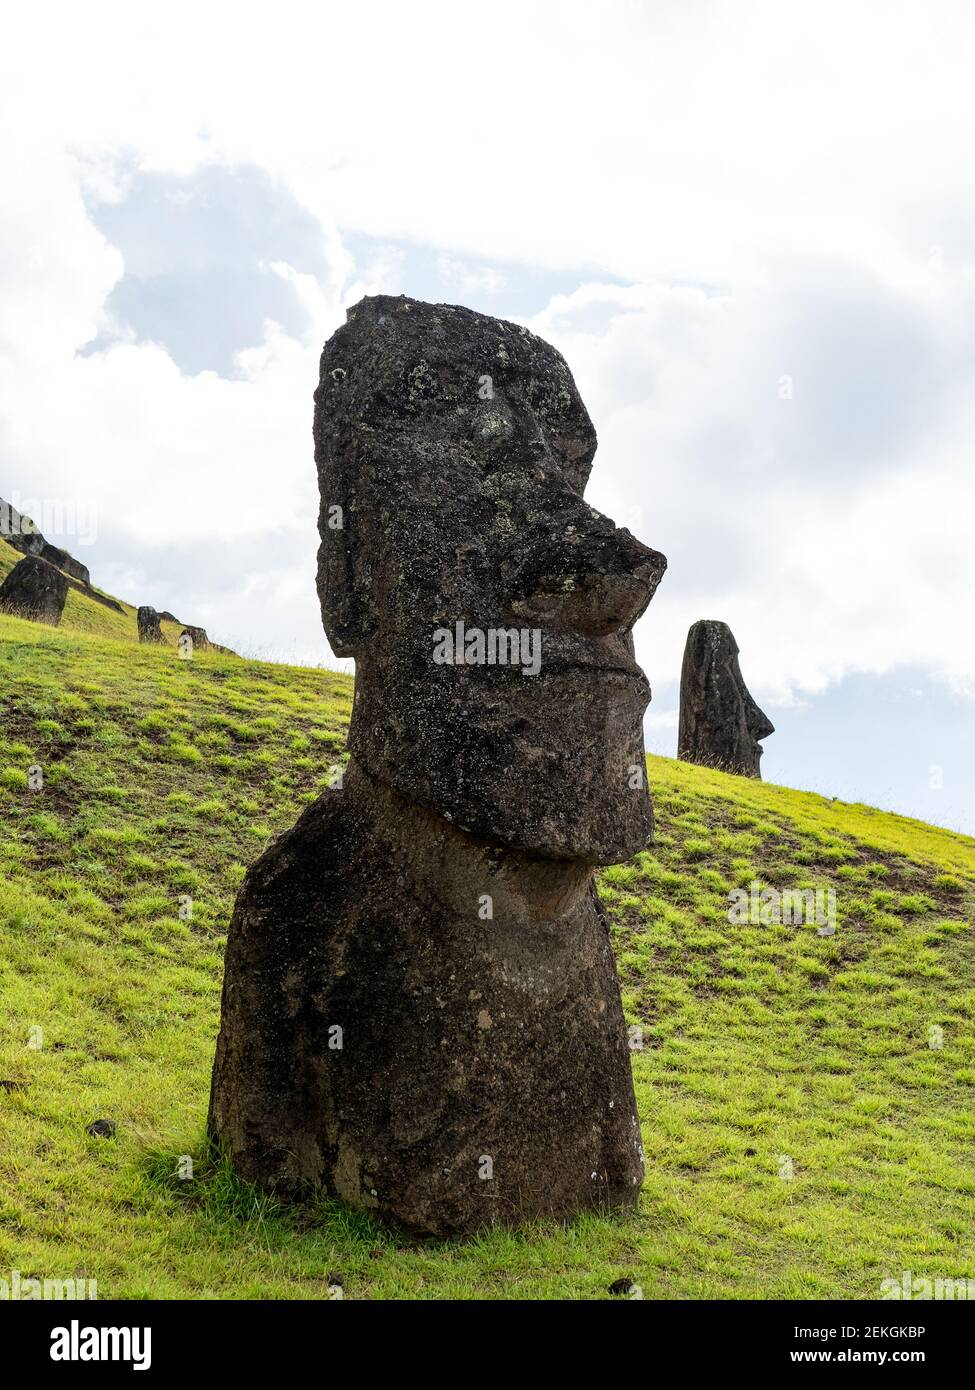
pixel 344 571
pixel 344 563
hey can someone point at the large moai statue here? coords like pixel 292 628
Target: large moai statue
pixel 421 1013
pixel 34 589
pixel 720 723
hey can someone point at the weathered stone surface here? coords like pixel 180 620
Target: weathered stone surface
pixel 34 589
pixel 720 723
pixel 421 1012
pixel 150 629
pixel 55 555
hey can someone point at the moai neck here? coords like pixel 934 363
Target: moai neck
pixel 445 865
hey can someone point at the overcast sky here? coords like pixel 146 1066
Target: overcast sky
pixel 750 228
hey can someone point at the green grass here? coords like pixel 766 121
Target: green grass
pixel 85 615
pixel 164 778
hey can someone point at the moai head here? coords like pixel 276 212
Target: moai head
pixel 489 608
pixel 720 723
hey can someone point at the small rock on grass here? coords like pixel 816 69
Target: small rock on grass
pixel 619 1287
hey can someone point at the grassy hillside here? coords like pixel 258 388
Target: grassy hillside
pixel 761 1044
pixel 86 615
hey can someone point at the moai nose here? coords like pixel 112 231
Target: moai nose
pixel 586 574
pixel 757 721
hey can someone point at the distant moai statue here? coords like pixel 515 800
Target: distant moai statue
pixel 150 627
pixel 467 1033
pixel 720 723
pixel 36 590
pixel 194 640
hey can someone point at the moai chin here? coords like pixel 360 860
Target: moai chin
pixel 720 723
pixel 421 1013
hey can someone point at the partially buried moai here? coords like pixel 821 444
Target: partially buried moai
pixel 149 624
pixel 421 1012
pixel 34 589
pixel 720 724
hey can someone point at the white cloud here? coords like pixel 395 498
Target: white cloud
pixel 469 278
pixel 830 529
pixel 650 140
pixel 787 196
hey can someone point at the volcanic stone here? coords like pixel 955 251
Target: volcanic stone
pixel 150 629
pixel 720 723
pixel 34 589
pixel 421 1012
pixel 101 1129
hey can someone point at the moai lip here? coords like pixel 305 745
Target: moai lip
pixel 720 724
pixel 421 1013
